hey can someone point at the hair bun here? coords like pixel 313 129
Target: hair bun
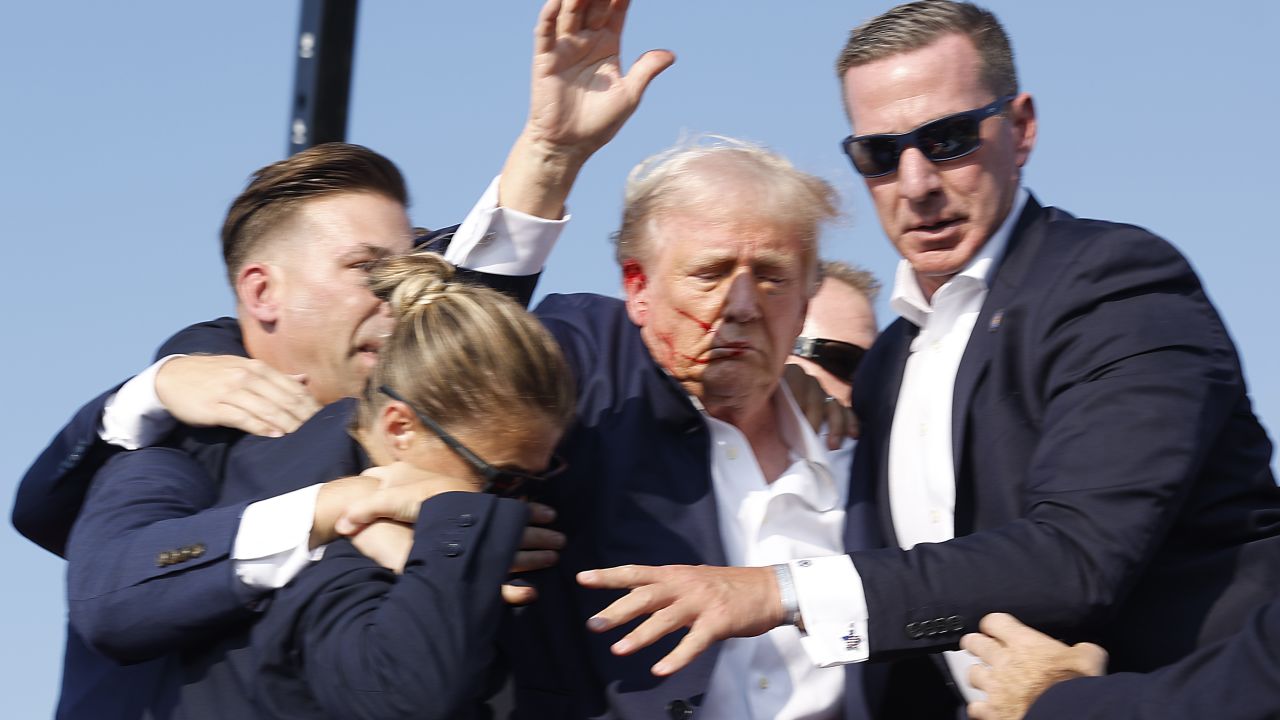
pixel 411 281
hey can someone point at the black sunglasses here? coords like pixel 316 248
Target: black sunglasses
pixel 502 482
pixel 835 356
pixel 947 138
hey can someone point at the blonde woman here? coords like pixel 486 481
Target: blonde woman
pixel 468 400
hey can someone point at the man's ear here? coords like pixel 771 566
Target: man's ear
pixel 636 285
pixel 1023 111
pixel 257 291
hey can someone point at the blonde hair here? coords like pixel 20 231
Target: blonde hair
pixel 462 353
pixel 723 178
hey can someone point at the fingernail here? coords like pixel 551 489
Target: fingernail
pixel 586 576
pixel 622 647
pixel 596 624
pixel 659 669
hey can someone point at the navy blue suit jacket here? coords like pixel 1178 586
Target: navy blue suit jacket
pixel 1112 483
pixel 51 495
pixel 52 490
pixel 345 639
pixel 1237 678
pixel 638 490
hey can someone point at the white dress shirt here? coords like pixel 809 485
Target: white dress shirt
pixel 921 462
pixel 271 543
pixel 799 514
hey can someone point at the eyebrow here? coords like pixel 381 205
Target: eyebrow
pixel 366 249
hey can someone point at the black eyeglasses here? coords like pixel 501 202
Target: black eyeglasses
pixel 948 138
pixel 503 482
pixel 835 356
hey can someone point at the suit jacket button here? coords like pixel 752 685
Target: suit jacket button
pixel 955 623
pixel 197 550
pixel 451 549
pixel 913 630
pixel 466 520
pixel 163 559
pixel 679 710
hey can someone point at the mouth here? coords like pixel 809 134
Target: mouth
pixel 728 350
pixel 368 352
pixel 935 229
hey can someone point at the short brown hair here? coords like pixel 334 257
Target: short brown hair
pixel 462 353
pixel 275 192
pixel 855 277
pixel 917 24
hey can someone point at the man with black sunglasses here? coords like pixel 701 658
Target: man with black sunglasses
pixel 839 326
pixel 1056 427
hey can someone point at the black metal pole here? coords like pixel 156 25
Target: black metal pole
pixel 322 81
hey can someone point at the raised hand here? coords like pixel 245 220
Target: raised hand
pixel 579 99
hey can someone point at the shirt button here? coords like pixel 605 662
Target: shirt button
pixel 732 452
pixel 935 517
pixel 764 683
pixel 924 429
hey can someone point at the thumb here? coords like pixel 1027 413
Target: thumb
pixel 647 67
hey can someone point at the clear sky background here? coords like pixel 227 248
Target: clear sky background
pixel 129 127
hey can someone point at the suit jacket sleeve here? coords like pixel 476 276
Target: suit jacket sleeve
pixel 148 559
pixel 358 641
pixel 1237 678
pixel 53 489
pixel 1132 379
pixel 519 287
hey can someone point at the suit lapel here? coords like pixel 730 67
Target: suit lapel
pixel 1023 243
pixel 877 384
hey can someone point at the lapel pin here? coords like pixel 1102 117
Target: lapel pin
pixel 996 319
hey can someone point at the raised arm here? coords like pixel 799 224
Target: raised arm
pixel 579 99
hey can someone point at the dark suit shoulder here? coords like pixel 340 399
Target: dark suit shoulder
pixel 212 337
pixel 322 449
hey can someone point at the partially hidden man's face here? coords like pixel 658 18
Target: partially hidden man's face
pixel 837 312
pixel 938 215
pixel 720 303
pixel 328 324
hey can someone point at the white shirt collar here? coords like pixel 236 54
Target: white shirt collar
pixel 908 299
pixel 818 487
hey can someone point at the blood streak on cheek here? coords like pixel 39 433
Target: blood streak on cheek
pixel 706 329
pixel 706 326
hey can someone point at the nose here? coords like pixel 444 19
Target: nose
pixel 917 177
pixel 742 300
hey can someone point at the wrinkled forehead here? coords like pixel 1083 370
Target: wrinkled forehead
pixel 692 236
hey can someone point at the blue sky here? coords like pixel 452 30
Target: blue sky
pixel 129 127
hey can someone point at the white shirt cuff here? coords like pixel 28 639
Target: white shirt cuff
pixel 134 417
pixel 501 241
pixel 833 607
pixel 272 542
